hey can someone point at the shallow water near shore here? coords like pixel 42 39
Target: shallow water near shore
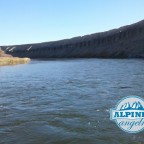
pixel 67 101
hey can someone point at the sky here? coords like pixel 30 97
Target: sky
pixel 34 21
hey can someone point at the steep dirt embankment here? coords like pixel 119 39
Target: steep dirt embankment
pixel 125 42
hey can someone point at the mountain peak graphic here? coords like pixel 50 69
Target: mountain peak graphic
pixel 134 106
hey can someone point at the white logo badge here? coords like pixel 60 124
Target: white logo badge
pixel 129 114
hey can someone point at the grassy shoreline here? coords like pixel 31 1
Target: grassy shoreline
pixel 6 59
pixel 13 61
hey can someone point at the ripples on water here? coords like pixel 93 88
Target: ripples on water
pixel 67 101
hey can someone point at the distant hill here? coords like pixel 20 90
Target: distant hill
pixel 124 42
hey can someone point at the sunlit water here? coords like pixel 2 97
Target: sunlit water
pixel 67 101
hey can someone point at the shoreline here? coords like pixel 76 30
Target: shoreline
pixel 6 61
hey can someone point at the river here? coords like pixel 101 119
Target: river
pixel 67 101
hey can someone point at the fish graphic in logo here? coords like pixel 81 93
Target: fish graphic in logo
pixel 129 114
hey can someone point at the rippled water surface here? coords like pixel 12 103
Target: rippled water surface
pixel 67 101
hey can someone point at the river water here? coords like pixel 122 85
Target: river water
pixel 67 101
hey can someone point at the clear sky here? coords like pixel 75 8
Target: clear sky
pixel 33 21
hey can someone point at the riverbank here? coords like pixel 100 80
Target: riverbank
pixel 13 61
pixel 6 59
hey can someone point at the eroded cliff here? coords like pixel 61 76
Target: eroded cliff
pixel 124 42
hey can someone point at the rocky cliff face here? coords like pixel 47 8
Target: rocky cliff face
pixel 125 42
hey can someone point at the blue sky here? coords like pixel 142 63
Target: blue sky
pixel 33 21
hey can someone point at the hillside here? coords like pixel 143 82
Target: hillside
pixel 124 42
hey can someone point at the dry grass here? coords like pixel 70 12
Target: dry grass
pixel 1 52
pixel 6 59
pixel 13 60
